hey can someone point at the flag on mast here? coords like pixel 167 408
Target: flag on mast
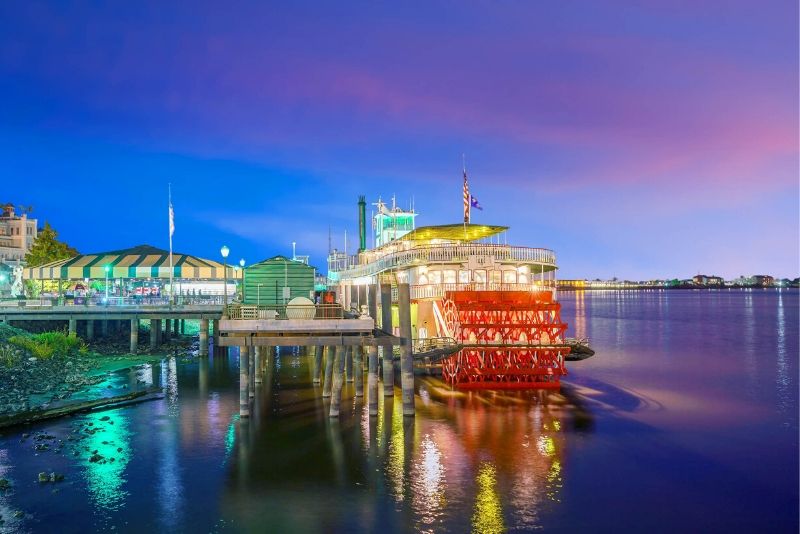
pixel 473 203
pixel 466 198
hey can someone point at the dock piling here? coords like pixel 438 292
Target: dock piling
pixel 387 356
pixel 316 367
pixel 358 369
pixel 326 385
pixel 204 337
pixel 349 363
pixel 336 389
pixel 251 359
pixel 406 361
pixel 372 301
pixel 372 380
pixel 155 327
pixel 258 364
pixel 244 382
pixel 134 336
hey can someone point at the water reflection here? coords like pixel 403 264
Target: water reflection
pixel 783 380
pixel 488 515
pixel 428 484
pixel 109 435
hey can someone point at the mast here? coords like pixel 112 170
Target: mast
pixel 466 194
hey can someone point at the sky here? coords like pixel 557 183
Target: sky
pixel 637 140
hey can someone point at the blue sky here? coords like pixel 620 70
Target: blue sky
pixel 637 141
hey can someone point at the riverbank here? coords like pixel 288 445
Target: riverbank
pixel 38 371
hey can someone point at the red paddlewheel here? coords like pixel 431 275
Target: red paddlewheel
pixel 513 340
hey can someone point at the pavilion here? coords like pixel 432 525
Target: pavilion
pixel 142 263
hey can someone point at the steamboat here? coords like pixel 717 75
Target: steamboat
pixel 494 302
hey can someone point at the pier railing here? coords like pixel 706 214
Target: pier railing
pixel 115 302
pixel 449 253
pixel 284 312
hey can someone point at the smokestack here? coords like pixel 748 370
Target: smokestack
pixel 362 223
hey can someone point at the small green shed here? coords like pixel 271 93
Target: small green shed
pixel 264 282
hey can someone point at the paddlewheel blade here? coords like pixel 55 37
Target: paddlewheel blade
pixel 513 339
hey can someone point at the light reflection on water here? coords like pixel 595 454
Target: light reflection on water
pixel 105 479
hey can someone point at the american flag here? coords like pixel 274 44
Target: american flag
pixel 466 199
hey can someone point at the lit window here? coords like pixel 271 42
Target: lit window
pixel 435 277
pixel 496 277
pixel 480 276
pixel 509 277
pixel 449 276
pixel 463 277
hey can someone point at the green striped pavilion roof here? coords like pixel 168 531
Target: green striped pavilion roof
pixel 140 262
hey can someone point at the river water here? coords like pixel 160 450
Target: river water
pixel 685 420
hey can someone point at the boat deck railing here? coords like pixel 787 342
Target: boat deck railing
pixel 437 291
pixel 448 253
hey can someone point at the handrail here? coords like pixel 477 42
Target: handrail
pixel 448 253
pixel 96 301
pixel 284 312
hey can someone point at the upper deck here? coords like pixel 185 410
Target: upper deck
pixel 374 262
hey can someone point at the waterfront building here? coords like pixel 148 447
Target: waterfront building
pixel 17 233
pixel 762 280
pixel 141 271
pixel 704 280
pixel 571 284
pixel 277 281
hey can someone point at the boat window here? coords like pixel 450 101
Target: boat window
pixel 496 277
pixel 480 276
pixel 422 280
pixel 435 277
pixel 510 277
pixel 463 277
pixel 449 276
pixel 522 278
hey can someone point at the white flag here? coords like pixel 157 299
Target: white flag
pixel 171 220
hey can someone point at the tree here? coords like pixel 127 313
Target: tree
pixel 46 248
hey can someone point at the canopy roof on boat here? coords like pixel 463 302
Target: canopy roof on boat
pixel 454 232
pixel 140 262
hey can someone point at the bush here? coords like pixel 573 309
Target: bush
pixel 49 344
pixel 32 346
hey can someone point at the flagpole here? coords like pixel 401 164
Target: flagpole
pixel 466 195
pixel 171 267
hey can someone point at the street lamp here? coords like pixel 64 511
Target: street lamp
pixel 107 269
pixel 225 251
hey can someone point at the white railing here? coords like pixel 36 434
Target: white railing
pixel 436 291
pixel 115 302
pixel 448 254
